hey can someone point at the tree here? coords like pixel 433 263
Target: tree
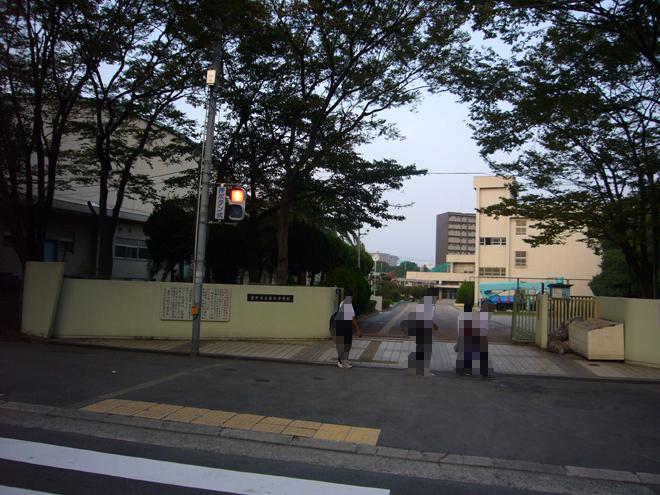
pixel 170 232
pixel 571 113
pixel 42 73
pixel 406 266
pixel 328 69
pixel 614 279
pixel 465 294
pixel 349 279
pixel 151 63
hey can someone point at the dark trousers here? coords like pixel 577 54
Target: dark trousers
pixel 344 339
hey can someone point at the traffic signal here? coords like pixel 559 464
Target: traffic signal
pixel 236 210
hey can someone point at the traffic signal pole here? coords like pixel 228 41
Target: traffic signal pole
pixel 199 263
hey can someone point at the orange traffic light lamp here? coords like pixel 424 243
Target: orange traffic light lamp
pixel 236 210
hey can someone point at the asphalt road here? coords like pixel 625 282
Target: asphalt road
pixel 73 482
pixel 388 323
pixel 598 424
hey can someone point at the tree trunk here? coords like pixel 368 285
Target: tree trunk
pixel 282 270
pixel 253 252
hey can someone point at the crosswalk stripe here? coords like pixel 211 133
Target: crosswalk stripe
pixel 10 490
pixel 170 473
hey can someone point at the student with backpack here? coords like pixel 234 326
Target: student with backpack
pixel 345 322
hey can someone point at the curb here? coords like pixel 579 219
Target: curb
pixel 435 458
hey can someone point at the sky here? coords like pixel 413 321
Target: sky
pixel 437 138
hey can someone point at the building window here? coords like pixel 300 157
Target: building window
pixel 135 249
pixel 487 271
pixel 521 259
pixel 492 241
pixel 521 226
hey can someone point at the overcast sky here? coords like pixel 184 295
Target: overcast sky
pixel 436 138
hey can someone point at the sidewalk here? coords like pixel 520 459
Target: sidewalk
pixel 507 359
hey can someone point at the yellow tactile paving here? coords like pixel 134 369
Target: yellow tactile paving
pixel 228 419
pixel 243 421
pixel 158 411
pixel 213 418
pixel 268 427
pixel 299 432
pixel 336 433
pixel 367 436
pixel 187 414
pixel 299 423
pixel 104 406
pixel 131 407
pixel 273 420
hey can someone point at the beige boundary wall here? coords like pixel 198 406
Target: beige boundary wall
pixel 641 329
pixel 132 309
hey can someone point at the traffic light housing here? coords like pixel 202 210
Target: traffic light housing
pixel 236 200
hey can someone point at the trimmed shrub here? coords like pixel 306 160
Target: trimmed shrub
pixel 465 295
pixel 350 279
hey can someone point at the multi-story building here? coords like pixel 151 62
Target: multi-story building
pixel 390 259
pixel 503 255
pixel 458 268
pixel 454 234
pixel 71 234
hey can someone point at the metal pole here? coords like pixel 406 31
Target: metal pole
pixel 202 217
pixel 358 246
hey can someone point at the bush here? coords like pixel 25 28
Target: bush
pixel 389 290
pixel 465 294
pixel 349 279
pixel 386 303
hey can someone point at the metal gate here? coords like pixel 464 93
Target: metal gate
pixel 525 314
pixel 562 311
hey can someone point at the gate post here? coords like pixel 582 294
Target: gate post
pixel 542 302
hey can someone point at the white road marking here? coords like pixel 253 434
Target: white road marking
pixel 170 473
pixel 10 490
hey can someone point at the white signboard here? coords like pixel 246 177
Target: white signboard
pixel 177 303
pixel 221 192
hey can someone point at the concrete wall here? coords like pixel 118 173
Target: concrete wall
pixel 41 294
pixel 125 309
pixel 641 318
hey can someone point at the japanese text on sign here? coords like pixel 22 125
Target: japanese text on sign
pixel 270 298
pixel 177 303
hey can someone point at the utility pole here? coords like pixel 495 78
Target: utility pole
pixel 358 247
pixel 199 263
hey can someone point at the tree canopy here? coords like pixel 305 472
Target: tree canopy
pixel 571 111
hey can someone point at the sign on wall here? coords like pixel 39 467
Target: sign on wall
pixel 270 298
pixel 177 303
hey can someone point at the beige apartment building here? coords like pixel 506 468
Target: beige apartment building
pixel 460 268
pixel 503 255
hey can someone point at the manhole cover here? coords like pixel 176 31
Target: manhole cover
pixel 318 378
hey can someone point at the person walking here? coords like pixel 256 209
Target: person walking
pixel 345 323
pixel 421 325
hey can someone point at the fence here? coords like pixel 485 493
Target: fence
pixel 562 311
